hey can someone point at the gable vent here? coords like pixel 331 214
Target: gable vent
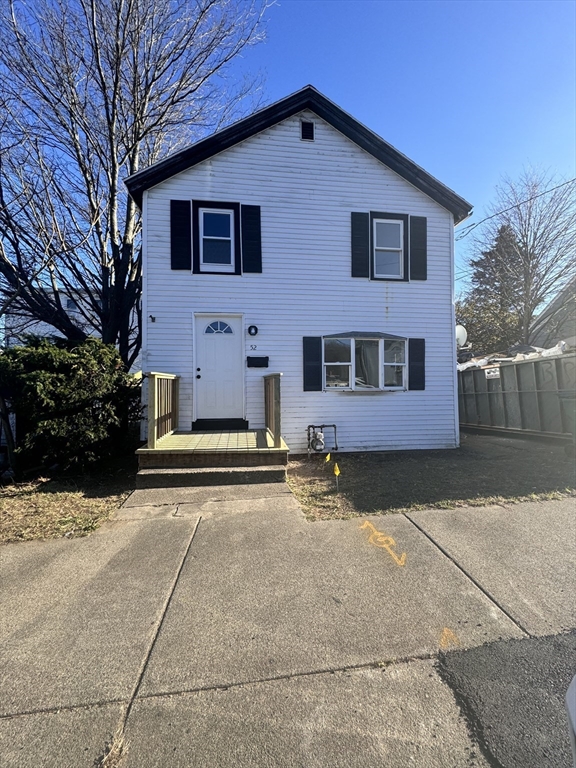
pixel 307 131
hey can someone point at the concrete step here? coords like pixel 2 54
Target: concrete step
pixel 178 477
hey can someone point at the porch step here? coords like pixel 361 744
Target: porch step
pixel 189 459
pixel 193 476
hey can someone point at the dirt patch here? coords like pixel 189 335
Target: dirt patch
pixel 71 506
pixel 484 470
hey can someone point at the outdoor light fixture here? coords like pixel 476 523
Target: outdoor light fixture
pixel 253 330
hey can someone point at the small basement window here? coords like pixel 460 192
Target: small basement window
pixel 364 364
pixel 307 130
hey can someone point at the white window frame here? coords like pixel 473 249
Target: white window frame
pixel 352 365
pixel 404 365
pixel 388 276
pixel 209 267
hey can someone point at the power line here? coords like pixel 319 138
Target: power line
pixel 466 231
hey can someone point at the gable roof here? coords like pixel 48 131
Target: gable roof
pixel 311 99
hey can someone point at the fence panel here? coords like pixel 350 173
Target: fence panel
pixel 524 397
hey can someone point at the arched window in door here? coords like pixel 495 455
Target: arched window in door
pixel 218 326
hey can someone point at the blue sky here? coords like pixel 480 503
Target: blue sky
pixel 468 89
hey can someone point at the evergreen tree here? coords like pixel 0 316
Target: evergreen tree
pixel 490 309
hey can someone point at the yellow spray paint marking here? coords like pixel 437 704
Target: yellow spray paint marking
pixel 448 638
pixel 380 539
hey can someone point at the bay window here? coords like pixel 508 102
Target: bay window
pixel 364 363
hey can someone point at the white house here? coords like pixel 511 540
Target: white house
pixel 298 241
pixel 17 324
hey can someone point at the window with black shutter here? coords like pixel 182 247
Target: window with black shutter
pixel 215 237
pixel 363 361
pixel 388 246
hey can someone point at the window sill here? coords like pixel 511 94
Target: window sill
pixel 202 271
pixel 363 391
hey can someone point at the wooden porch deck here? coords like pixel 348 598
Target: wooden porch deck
pixel 168 448
pixel 202 449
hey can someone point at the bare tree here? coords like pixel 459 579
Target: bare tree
pixel 526 253
pixel 557 321
pixel 93 91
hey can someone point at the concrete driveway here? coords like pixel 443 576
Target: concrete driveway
pixel 217 627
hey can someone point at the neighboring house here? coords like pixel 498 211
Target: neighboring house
pixel 17 325
pixel 298 241
pixel 557 321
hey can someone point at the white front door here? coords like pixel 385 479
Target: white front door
pixel 219 368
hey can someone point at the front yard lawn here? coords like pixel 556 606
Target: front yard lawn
pixel 68 506
pixel 484 470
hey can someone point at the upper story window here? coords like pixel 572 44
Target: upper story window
pixel 389 246
pixel 388 242
pixel 216 240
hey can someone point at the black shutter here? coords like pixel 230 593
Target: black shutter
pixel 418 248
pixel 312 349
pixel 416 364
pixel 180 235
pixel 251 239
pixel 360 245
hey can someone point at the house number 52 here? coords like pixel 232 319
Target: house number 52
pixel 253 346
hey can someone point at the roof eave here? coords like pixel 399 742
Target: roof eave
pixel 307 98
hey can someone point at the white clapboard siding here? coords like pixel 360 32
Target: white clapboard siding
pixel 306 191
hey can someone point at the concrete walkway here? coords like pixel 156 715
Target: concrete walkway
pixel 217 627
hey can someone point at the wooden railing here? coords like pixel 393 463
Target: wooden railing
pixel 162 406
pixel 272 406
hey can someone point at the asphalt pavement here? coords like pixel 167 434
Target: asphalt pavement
pixel 217 627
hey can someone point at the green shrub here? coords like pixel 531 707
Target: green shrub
pixel 73 402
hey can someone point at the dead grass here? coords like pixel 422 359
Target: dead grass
pixel 113 753
pixel 72 506
pixel 484 470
